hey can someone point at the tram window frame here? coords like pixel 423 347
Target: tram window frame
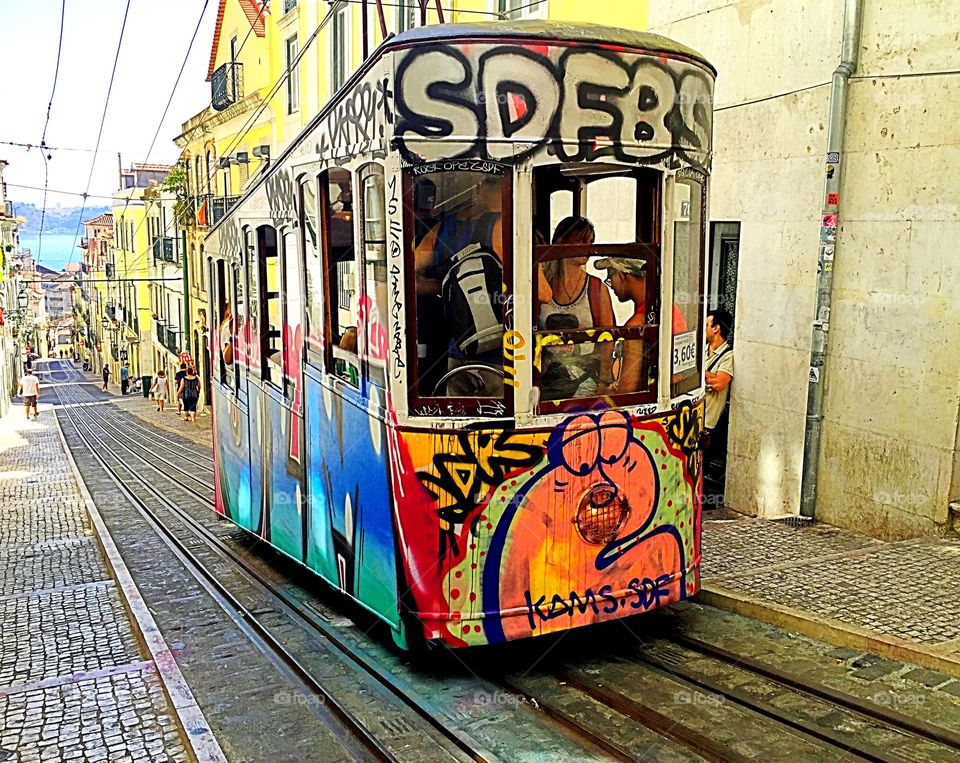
pixel 333 336
pixel 218 281
pixel 455 406
pixel 292 285
pixel 689 381
pixel 239 324
pixel 269 267
pixel 252 285
pixel 373 255
pixel 311 248
pixel 646 247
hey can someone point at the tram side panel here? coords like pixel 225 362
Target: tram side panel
pixel 351 538
pixel 501 534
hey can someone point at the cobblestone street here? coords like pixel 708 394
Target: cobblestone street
pixel 74 681
pixel 901 599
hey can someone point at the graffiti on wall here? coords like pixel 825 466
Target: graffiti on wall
pixel 580 104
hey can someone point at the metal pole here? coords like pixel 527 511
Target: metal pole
pixel 852 21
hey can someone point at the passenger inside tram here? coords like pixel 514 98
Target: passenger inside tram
pixel 459 287
pixel 578 301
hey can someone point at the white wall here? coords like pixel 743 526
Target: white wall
pixel 893 375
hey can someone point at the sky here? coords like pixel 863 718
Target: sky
pixel 155 41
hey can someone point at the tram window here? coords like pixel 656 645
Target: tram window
pixel 251 282
pixel 373 228
pixel 459 271
pixel 239 310
pixel 292 310
pixel 612 202
pixel 224 321
pixel 313 265
pixel 343 293
pixel 271 313
pixel 688 237
pixel 597 276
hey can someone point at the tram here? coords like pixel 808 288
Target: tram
pixel 458 332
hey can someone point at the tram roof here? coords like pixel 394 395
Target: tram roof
pixel 537 29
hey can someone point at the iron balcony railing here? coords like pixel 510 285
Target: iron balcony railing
pixel 226 85
pixel 166 337
pixel 164 250
pixel 289 5
pixel 220 206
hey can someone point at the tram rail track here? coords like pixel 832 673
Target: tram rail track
pixel 925 741
pixel 461 746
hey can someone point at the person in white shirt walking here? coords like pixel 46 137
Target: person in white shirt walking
pixel 159 389
pixel 29 391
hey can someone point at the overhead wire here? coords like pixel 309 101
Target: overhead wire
pixel 43 139
pixel 103 119
pixel 163 116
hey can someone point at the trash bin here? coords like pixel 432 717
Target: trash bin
pixel 145 381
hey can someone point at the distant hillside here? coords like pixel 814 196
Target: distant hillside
pixel 57 220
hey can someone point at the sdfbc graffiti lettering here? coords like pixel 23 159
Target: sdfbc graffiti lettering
pixel 506 102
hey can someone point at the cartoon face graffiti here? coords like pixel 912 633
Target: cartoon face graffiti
pixel 599 527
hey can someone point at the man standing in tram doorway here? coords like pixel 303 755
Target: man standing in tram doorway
pixel 719 375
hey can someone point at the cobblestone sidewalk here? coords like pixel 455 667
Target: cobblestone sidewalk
pixel 901 599
pixel 74 684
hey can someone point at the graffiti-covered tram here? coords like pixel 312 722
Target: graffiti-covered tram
pixel 459 332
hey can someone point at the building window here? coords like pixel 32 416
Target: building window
pixel 293 78
pixel 211 178
pixel 233 49
pixel 339 48
pixel 406 15
pixel 522 9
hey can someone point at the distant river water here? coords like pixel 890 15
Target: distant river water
pixel 58 249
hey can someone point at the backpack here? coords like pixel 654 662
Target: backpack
pixel 473 300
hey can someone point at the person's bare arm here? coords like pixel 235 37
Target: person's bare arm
pixel 718 381
pixel 422 260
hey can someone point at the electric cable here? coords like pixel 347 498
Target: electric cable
pixel 103 120
pixel 43 139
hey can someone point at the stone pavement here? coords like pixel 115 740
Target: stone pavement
pixel 75 681
pixel 900 600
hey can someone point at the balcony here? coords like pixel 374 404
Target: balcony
pixel 289 5
pixel 166 337
pixel 163 250
pixel 226 86
pixel 220 206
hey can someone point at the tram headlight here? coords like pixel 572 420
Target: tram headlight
pixel 601 513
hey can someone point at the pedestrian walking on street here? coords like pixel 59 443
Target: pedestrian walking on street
pixel 158 389
pixel 178 387
pixel 29 391
pixel 190 394
pixel 106 376
pixel 124 379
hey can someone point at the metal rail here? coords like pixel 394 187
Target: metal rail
pixel 253 627
pixel 431 715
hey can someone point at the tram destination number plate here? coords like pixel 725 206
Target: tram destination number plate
pixel 684 351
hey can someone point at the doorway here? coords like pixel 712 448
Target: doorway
pixel 722 294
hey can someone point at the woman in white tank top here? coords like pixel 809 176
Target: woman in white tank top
pixel 580 301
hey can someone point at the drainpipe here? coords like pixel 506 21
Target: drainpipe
pixel 852 21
